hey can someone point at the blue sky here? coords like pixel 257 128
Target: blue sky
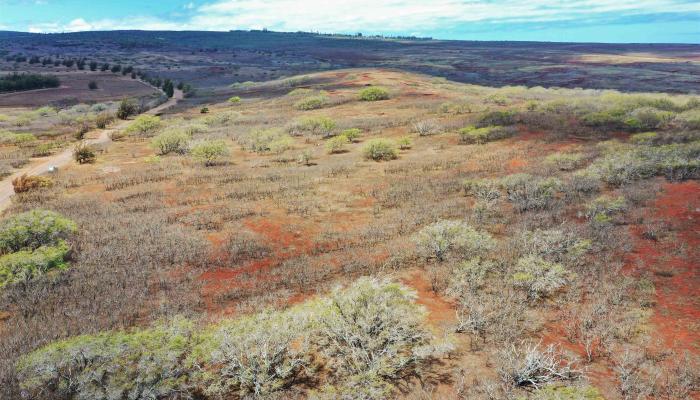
pixel 676 21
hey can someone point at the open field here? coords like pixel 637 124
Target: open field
pixel 223 250
pixel 212 59
pixel 74 89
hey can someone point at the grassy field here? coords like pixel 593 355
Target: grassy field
pixel 520 242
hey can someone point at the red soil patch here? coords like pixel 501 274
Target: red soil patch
pixel 675 263
pixel 515 165
pixel 440 311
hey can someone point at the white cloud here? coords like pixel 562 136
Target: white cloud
pixel 380 15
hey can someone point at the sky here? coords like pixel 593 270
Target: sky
pixel 616 21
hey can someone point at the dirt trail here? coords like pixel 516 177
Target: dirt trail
pixel 39 166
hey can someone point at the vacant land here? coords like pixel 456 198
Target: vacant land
pixel 74 88
pixel 211 59
pixel 365 233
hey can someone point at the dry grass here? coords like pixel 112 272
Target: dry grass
pixel 164 236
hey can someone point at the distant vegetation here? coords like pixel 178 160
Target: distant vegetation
pixel 17 82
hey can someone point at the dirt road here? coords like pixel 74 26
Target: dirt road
pixel 39 166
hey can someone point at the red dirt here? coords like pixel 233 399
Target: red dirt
pixel 440 311
pixel 677 309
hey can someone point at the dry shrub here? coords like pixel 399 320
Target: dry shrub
pixel 25 183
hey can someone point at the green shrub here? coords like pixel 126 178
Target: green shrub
pixel 497 118
pixel 585 181
pixel 268 140
pixel 644 138
pixel 352 134
pixel 405 142
pixel 210 152
pixel 311 103
pixel 483 189
pixel 379 150
pixel 83 153
pixel 45 111
pixel 17 139
pixel 336 144
pixel 372 336
pixel 444 238
pixel 144 125
pixel 539 277
pixel 33 229
pixel 688 120
pixel 602 209
pixel 623 164
pixel 564 161
pixel 300 92
pixel 25 265
pixel 647 118
pixel 126 109
pixel 149 363
pixel 474 135
pixel 322 126
pixel 42 150
pixel 255 355
pixel 234 100
pixel 558 392
pixel 103 119
pixel 527 192
pixel 369 336
pixel 171 142
pixel 374 93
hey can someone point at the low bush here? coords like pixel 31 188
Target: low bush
pixel 144 125
pixel 526 365
pixel 318 126
pixel 148 363
pixel 234 100
pixel 564 161
pixel 126 109
pixel 379 150
pixel 83 153
pixel 497 118
pixel 25 183
pixel 42 150
pixel 255 355
pixel 336 144
pixel 538 277
pixel 171 142
pixel 482 189
pixel 26 265
pixel 311 103
pixel 443 239
pixel 426 128
pixel 374 93
pixel 603 208
pixel 17 139
pixel 268 140
pixel 474 135
pixel 527 192
pixel 352 134
pixel 103 119
pixel 92 85
pixel 210 152
pixel 623 164
pixel 370 336
pixel 405 143
pixel 33 229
